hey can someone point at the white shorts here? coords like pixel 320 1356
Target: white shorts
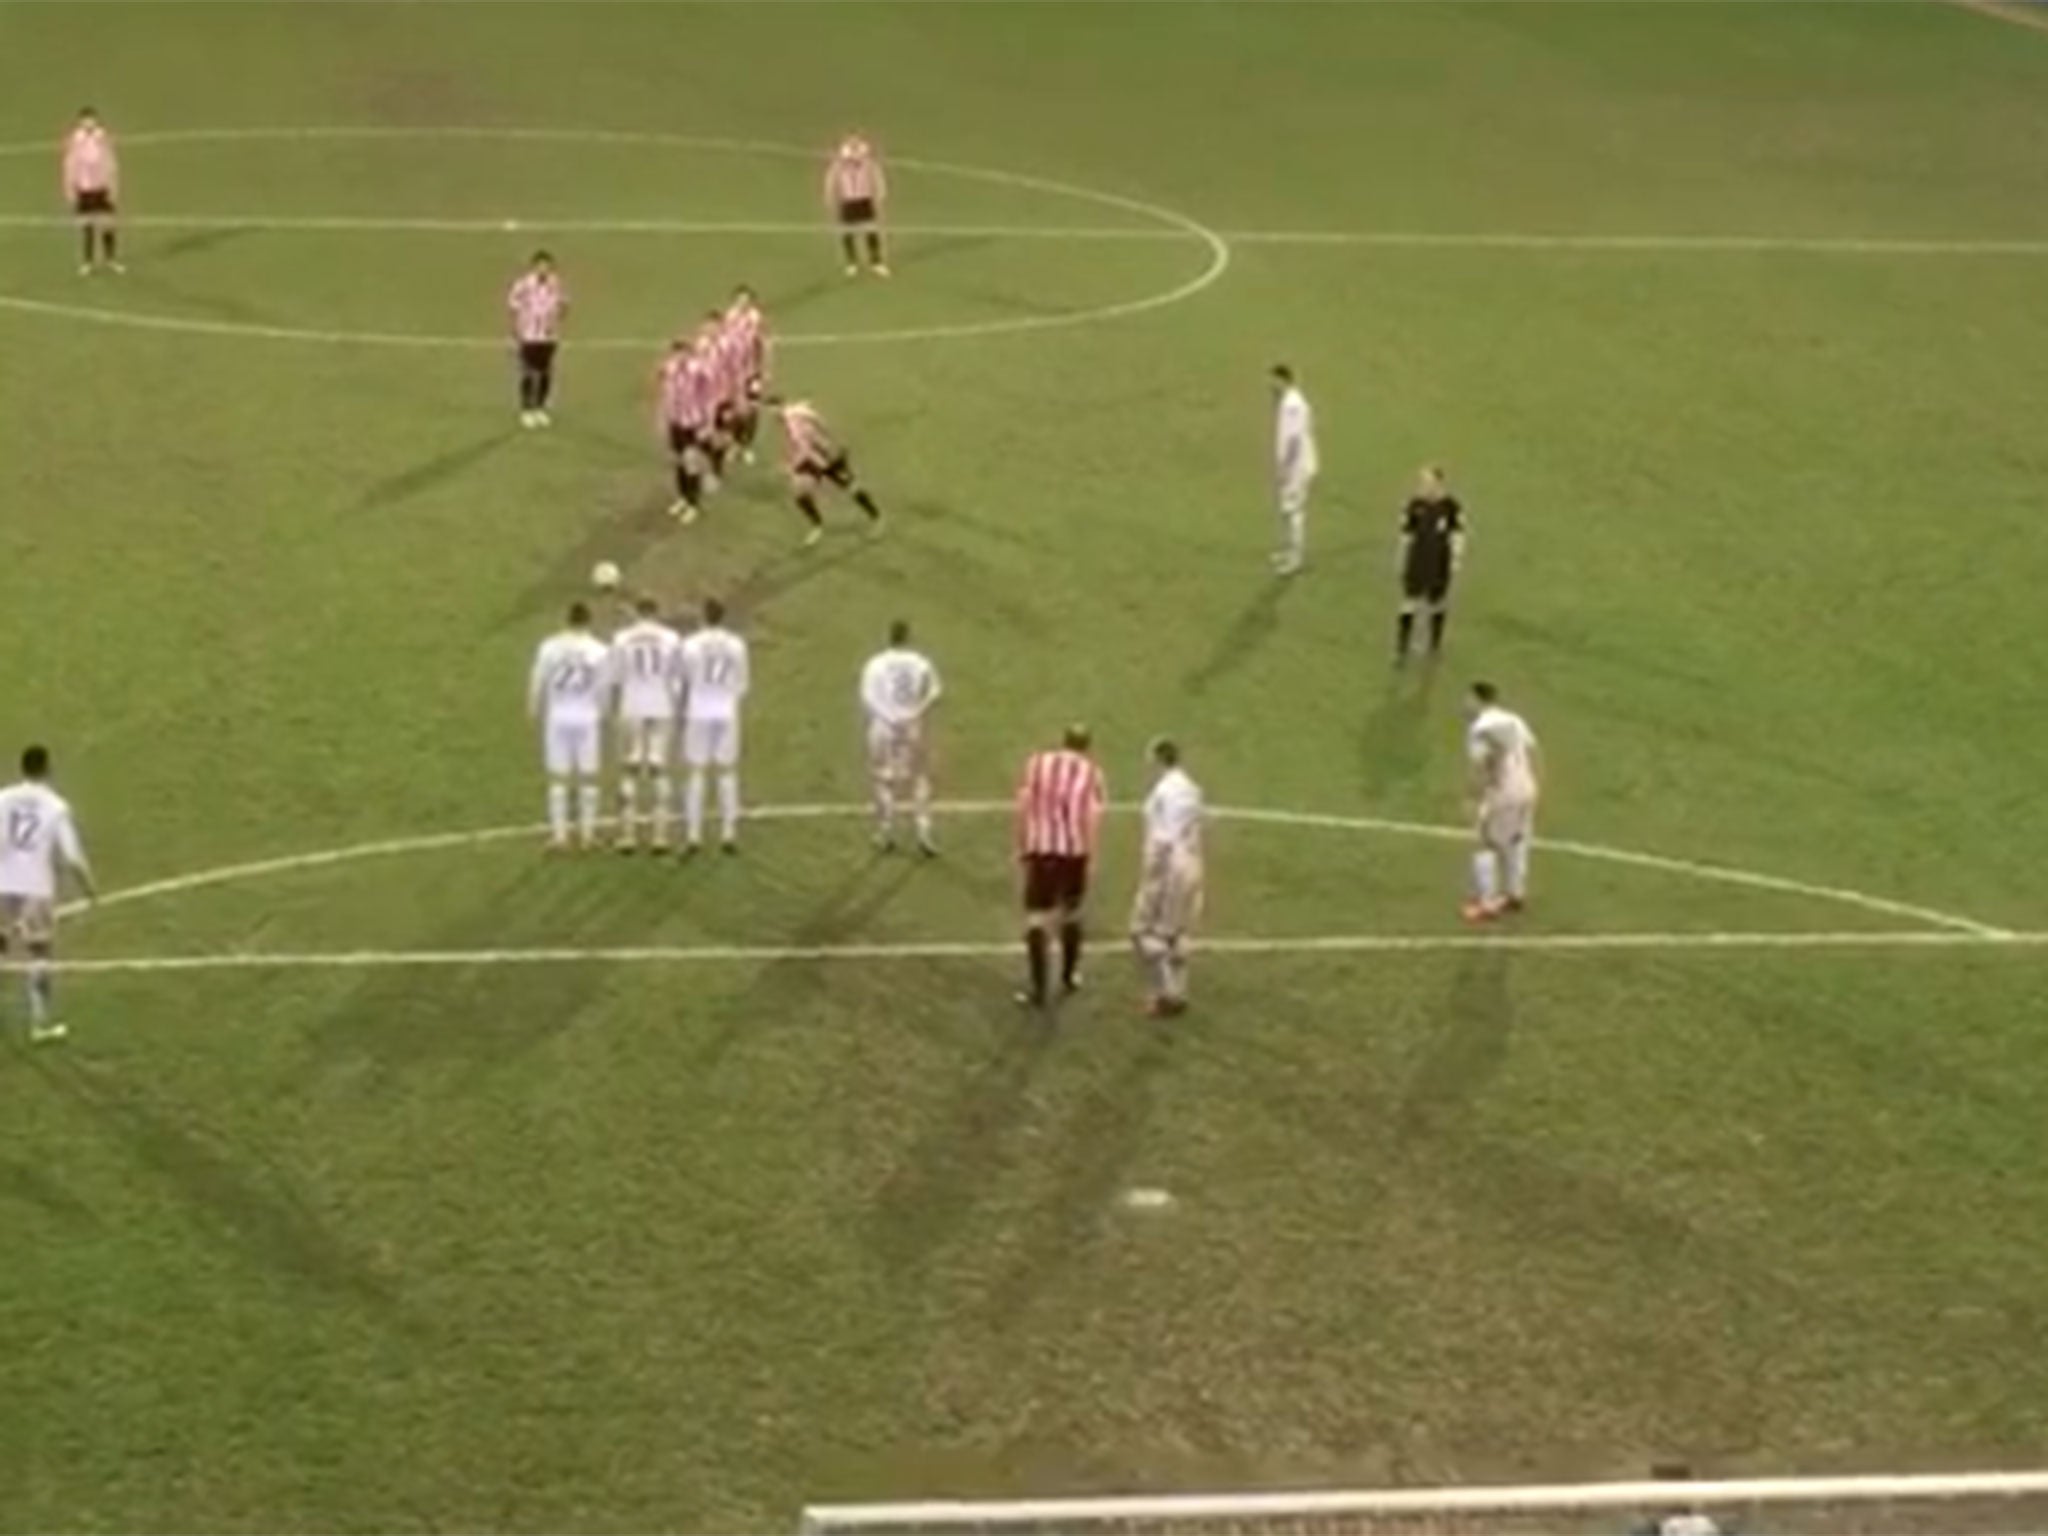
pixel 1169 902
pixel 31 919
pixel 711 743
pixel 644 742
pixel 1294 495
pixel 571 747
pixel 896 752
pixel 1504 823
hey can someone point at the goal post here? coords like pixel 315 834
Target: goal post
pixel 1960 1504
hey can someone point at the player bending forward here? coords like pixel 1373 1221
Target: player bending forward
pixel 817 459
pixel 1169 900
pixel 716 676
pixel 647 669
pixel 1059 815
pixel 1502 752
pixel 566 695
pixel 38 845
pixel 92 185
pixel 1294 468
pixel 898 688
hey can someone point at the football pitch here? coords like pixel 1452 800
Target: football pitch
pixel 398 1177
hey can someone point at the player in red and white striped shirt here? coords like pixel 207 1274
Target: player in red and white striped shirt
pixel 688 402
pixel 1060 802
pixel 92 184
pixel 537 302
pixel 743 338
pixel 856 188
pixel 815 458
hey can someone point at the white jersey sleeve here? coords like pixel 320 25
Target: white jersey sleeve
pixel 1294 445
pixel 716 675
pixel 37 836
pixel 647 671
pixel 1173 816
pixel 898 686
pixel 1502 751
pixel 571 678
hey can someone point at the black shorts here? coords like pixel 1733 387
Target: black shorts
pixel 756 388
pixel 86 203
pixel 1054 882
pixel 726 417
pixel 537 355
pixel 1431 585
pixel 681 439
pixel 838 469
pixel 857 210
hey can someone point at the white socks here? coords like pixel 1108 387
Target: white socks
pixel 729 805
pixel 1518 869
pixel 1485 880
pixel 693 806
pixel 558 811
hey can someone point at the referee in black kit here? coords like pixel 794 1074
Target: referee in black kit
pixel 1432 548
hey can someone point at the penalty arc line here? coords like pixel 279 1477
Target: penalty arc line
pixel 1953 924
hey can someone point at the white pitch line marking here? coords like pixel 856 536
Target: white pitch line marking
pixel 1307 944
pixel 1169 224
pixel 1949 926
pixel 1385 239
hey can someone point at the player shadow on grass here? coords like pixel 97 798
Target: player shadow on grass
pixel 396 490
pixel 207 306
pixel 480 1019
pixel 1093 1150
pixel 784 989
pixel 195 242
pixel 1474 1026
pixel 622 538
pixel 233 1188
pixel 783 572
pixel 906 255
pixel 1393 741
pixel 1241 638
pixel 26 1184
pixel 919 572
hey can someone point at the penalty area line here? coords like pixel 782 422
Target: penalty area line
pixel 1307 944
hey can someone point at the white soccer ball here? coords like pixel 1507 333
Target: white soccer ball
pixel 605 576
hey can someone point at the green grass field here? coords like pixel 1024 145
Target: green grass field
pixel 606 1246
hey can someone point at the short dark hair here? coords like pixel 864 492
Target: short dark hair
pixel 1283 373
pixel 88 112
pixel 646 607
pixel 35 762
pixel 899 632
pixel 1076 738
pixel 1165 752
pixel 1485 693
pixel 714 315
pixel 714 611
pixel 543 256
pixel 744 291
pixel 579 614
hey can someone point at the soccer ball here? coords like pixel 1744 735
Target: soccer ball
pixel 605 576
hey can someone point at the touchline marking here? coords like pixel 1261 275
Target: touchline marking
pixel 1388 239
pixel 1308 944
pixel 1168 224
pixel 1950 927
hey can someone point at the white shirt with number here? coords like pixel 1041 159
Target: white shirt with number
pixel 567 690
pixel 647 667
pixel 36 834
pixel 898 687
pixel 1502 750
pixel 716 676
pixel 1294 440
pixel 1173 819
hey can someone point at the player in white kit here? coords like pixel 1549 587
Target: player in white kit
pixel 1294 468
pixel 898 688
pixel 38 845
pixel 567 694
pixel 1169 900
pixel 647 671
pixel 1502 753
pixel 716 675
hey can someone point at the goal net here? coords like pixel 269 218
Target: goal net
pixel 1974 1504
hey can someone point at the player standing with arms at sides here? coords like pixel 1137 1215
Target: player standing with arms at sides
pixel 1502 753
pixel 898 688
pixel 745 333
pixel 686 409
pixel 1059 814
pixel 38 846
pixel 816 459
pixel 716 676
pixel 538 303
pixel 1294 467
pixel 92 185
pixel 566 694
pixel 647 669
pixel 856 187
pixel 1169 900
pixel 1432 549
